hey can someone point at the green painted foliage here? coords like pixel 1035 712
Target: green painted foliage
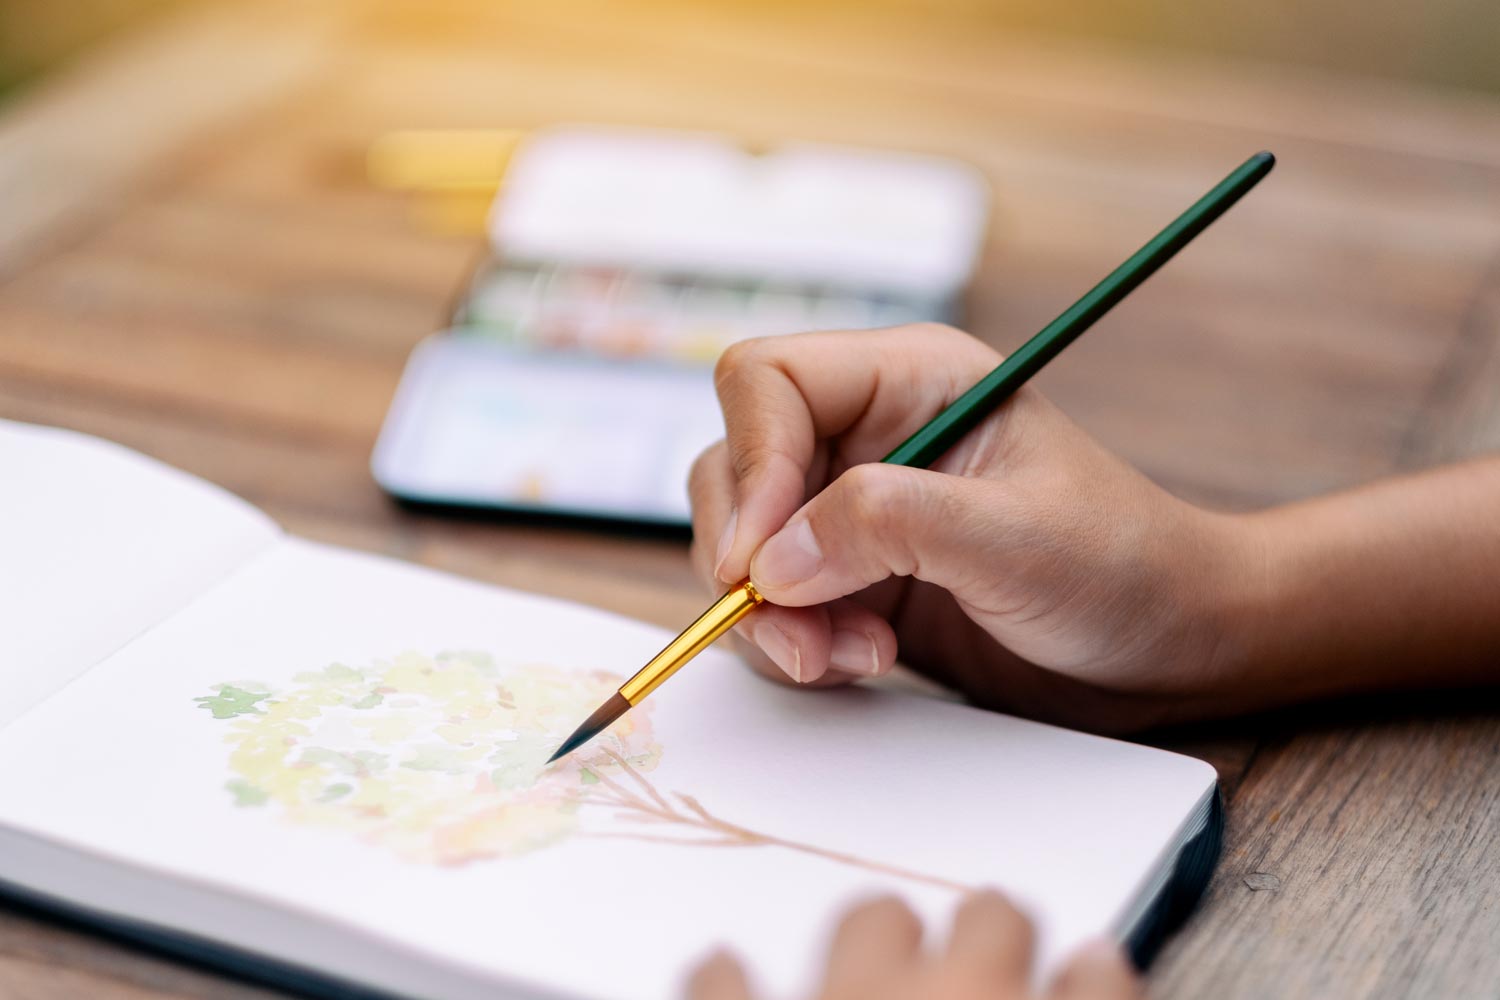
pixel 245 794
pixel 232 701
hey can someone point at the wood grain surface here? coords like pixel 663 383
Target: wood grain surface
pixel 193 264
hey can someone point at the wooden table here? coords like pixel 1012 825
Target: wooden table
pixel 192 263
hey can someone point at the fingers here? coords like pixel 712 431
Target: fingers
pixel 877 521
pixel 860 643
pixel 820 646
pixel 795 640
pixel 816 645
pixel 990 948
pixel 877 944
pixel 711 494
pixel 1098 971
pixel 720 977
pixel 789 643
pixel 782 395
pixel 877 955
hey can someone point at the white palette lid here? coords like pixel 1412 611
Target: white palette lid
pixel 700 204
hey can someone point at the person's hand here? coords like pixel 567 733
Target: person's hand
pixel 877 955
pixel 1029 567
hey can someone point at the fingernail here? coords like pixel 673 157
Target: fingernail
pixel 776 644
pixel 789 556
pixel 855 652
pixel 726 542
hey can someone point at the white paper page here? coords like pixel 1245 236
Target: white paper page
pixel 393 791
pixel 98 543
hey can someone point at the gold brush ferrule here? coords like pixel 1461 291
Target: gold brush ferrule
pixel 718 619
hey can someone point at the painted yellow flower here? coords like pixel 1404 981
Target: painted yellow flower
pixel 440 758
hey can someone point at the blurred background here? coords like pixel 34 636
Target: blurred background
pixel 210 212
pixel 1446 42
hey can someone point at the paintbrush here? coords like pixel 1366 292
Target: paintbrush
pixel 944 430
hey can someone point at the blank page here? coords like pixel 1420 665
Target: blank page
pixel 98 543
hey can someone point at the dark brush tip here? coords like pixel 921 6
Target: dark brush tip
pixel 595 724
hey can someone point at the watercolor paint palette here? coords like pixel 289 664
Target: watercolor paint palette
pixel 622 263
pixel 326 771
pixel 616 313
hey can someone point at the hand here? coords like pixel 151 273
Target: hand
pixel 876 955
pixel 1029 567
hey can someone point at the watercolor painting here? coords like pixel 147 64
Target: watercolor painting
pixel 442 760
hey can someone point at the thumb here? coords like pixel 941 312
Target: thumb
pixel 877 521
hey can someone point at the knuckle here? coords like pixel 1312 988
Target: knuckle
pixel 741 357
pixel 871 495
pixel 748 460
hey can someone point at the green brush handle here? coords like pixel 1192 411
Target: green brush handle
pixel 943 431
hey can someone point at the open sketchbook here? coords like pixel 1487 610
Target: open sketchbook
pixel 324 769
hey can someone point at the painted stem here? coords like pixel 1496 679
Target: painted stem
pixel 658 809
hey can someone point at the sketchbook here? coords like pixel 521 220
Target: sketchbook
pixel 324 770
